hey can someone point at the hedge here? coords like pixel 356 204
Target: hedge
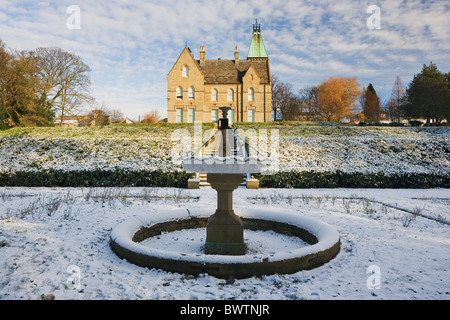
pixel 98 178
pixel 339 179
pixel 178 179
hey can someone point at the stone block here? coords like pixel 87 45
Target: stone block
pixel 194 184
pixel 252 183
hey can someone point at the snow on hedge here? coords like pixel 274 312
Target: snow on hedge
pixel 301 148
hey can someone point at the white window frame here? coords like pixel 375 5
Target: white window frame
pixel 179 115
pixel 251 94
pixel 214 115
pixel 191 93
pixel 230 95
pixel 185 71
pixel 251 115
pixel 214 94
pixel 231 116
pixel 179 93
pixel 191 115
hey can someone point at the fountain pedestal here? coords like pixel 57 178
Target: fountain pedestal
pixel 225 230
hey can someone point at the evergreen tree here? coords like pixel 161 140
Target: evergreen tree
pixel 429 95
pixel 371 106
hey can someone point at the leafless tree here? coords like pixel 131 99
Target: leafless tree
pixel 310 103
pixel 63 80
pixel 282 99
pixel 397 100
pixel 116 115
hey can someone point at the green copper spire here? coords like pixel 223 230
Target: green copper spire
pixel 257 48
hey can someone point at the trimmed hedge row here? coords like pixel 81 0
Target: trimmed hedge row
pixel 339 179
pixel 178 179
pixel 98 178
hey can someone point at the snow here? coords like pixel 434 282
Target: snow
pixel 326 235
pixel 56 241
pixel 192 241
pixel 318 148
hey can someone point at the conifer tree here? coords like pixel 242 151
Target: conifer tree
pixel 372 106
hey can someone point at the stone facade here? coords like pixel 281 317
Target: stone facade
pixel 197 88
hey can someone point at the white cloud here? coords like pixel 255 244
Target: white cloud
pixel 131 45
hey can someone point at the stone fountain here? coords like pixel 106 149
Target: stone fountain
pixel 225 166
pixel 224 157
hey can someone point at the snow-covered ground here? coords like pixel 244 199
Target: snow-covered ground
pixel 317 148
pixel 395 244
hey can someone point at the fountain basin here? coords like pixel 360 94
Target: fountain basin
pixel 323 239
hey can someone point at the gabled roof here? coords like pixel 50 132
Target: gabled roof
pixel 227 72
pixel 186 50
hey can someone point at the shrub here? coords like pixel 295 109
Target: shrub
pixel 96 178
pixel 339 179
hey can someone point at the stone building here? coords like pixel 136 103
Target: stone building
pixel 197 88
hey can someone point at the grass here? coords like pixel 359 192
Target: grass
pixel 288 128
pixel 369 208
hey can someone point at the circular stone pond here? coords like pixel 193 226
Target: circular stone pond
pixel 290 243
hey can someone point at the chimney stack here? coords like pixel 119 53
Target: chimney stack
pixel 236 56
pixel 202 55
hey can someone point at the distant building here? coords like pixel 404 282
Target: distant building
pixel 94 119
pixel 197 88
pixel 127 120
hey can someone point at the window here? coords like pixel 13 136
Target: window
pixel 191 115
pixel 180 93
pixel 230 96
pixel 251 94
pixel 185 71
pixel 214 95
pixel 214 115
pixel 191 93
pixel 231 116
pixel 251 115
pixel 179 115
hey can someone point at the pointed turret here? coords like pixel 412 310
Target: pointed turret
pixel 257 48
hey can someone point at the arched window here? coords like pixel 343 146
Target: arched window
pixel 251 94
pixel 214 95
pixel 230 96
pixel 180 93
pixel 191 93
pixel 185 71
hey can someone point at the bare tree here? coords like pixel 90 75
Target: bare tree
pixel 282 99
pixel 310 103
pixel 397 100
pixel 100 116
pixel 151 117
pixel 278 96
pixel 291 108
pixel 63 80
pixel 116 115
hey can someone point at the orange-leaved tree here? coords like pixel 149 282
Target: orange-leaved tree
pixel 338 98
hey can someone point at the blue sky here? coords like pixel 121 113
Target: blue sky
pixel 132 45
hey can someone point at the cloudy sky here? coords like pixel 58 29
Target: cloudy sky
pixel 132 45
